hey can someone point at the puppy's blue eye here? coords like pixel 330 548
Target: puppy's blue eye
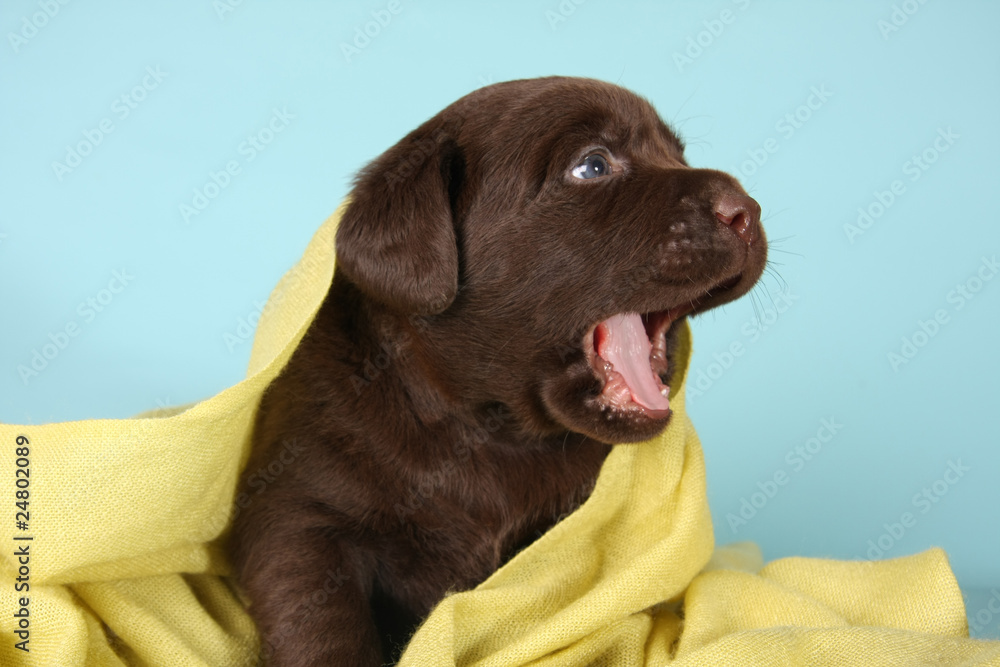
pixel 592 166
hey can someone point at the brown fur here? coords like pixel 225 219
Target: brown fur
pixel 441 412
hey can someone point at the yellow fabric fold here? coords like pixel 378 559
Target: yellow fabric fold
pixel 123 566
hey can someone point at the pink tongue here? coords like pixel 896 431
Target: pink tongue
pixel 626 346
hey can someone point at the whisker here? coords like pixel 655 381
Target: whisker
pixel 774 214
pixel 673 120
pixel 771 271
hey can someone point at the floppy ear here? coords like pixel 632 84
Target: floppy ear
pixel 396 241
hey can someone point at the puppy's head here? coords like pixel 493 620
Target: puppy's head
pixel 547 236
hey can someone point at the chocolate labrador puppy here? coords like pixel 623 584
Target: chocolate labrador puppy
pixel 510 277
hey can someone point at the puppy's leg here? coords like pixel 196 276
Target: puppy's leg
pixel 309 595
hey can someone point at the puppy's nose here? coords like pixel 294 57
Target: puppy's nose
pixel 741 214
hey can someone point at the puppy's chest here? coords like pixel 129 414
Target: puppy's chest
pixel 476 512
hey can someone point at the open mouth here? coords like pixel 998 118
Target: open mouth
pixel 631 354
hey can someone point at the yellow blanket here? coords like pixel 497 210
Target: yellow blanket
pixel 110 559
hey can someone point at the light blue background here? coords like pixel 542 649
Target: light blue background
pixel 162 340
